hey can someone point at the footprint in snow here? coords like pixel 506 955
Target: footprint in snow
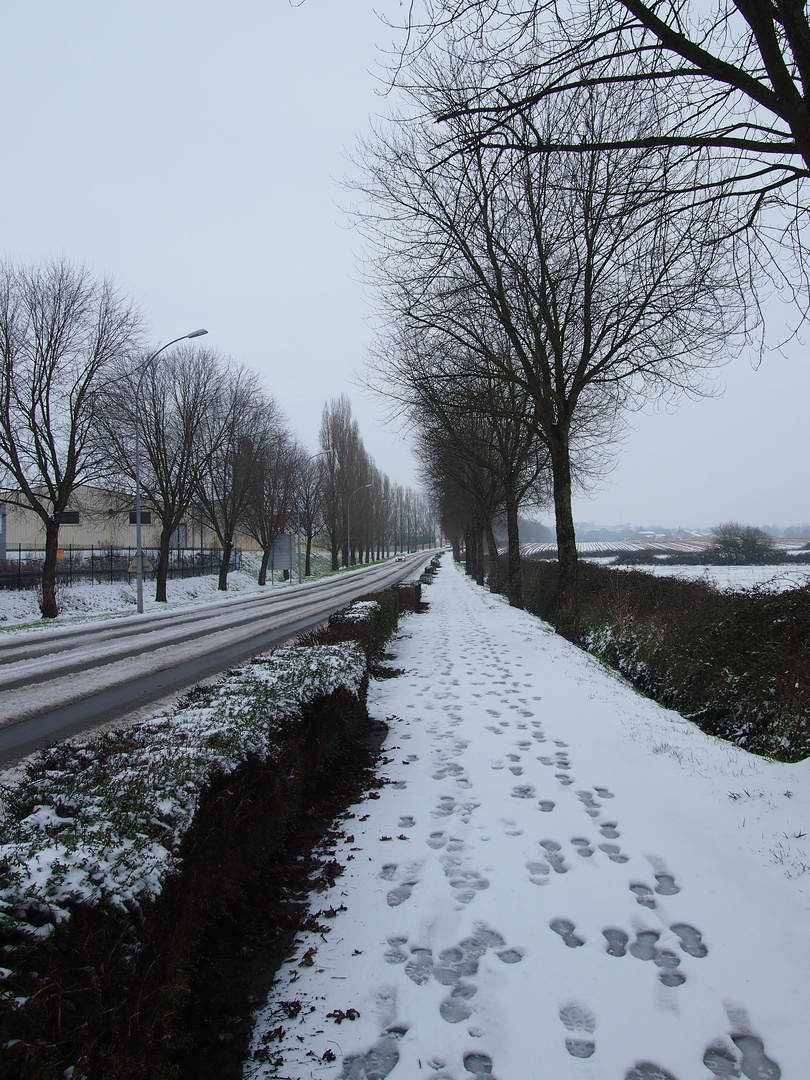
pixel 538 872
pixel 755 1063
pixel 583 847
pixel 467 883
pixel 614 853
pixel 394 954
pixel 447 805
pixel 510 827
pixel 419 967
pixel 523 791
pixel 564 779
pixel 479 1065
pixel 516 770
pixel 616 941
pixel 645 1070
pixel 690 939
pixel 644 947
pixel 609 830
pixel 552 849
pixel 666 885
pixel 577 1019
pixel 510 956
pixel 667 962
pixel 437 840
pixel 720 1062
pixel 603 793
pixel 643 895
pixel 380 1060
pixel 590 804
pixel 546 806
pixel 565 928
pixel 400 893
pixel 406 822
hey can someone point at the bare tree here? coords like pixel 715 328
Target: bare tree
pixel 61 333
pixel 235 424
pixel 278 461
pixel 729 81
pixel 175 436
pixel 733 76
pixel 603 296
pixel 475 427
pixel 310 504
pixel 740 544
pixel 345 469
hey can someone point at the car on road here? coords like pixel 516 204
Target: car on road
pixel 400 558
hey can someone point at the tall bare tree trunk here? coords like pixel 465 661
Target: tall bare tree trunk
pixel 492 551
pixel 263 566
pixel 513 541
pixel 162 572
pixel 48 603
pixel 568 567
pixel 225 565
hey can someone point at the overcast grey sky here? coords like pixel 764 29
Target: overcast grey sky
pixel 191 149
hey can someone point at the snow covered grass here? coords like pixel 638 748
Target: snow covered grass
pixel 83 602
pixel 101 821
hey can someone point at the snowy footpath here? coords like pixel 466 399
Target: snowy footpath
pixel 559 880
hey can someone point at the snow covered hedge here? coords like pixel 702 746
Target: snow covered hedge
pixel 737 663
pixel 101 820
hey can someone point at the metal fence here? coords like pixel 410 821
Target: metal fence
pixel 22 569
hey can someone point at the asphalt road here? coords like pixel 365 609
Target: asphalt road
pixel 57 683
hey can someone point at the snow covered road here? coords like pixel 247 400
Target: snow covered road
pixel 58 682
pixel 559 880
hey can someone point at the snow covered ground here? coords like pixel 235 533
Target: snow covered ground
pixel 83 602
pixel 560 880
pixel 771 578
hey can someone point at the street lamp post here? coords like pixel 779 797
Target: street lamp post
pixel 138 552
pixel 349 523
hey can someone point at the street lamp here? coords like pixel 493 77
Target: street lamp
pixel 138 552
pixel 349 523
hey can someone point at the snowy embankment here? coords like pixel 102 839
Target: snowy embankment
pixel 560 878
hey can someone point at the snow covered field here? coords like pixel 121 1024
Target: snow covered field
pixel 560 880
pixel 771 578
